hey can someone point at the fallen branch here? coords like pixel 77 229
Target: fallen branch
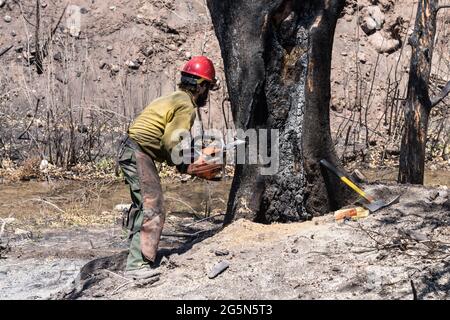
pixel 204 219
pixel 5 50
pixel 181 201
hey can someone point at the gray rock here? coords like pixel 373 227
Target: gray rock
pixel 383 44
pixel 372 19
pixel 218 269
pixel 44 4
pixel 109 48
pixel 368 25
pixel 57 56
pixel 134 65
pixel 221 252
pixel 358 176
pixel 7 18
pixel 13 33
pixel 2 3
pixel 147 51
pixel 376 14
pixel 362 57
pixel 115 68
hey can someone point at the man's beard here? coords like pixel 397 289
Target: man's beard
pixel 202 99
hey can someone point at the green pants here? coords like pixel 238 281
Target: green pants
pixel 142 177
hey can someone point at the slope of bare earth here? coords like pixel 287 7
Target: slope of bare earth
pixel 397 253
pixel 128 53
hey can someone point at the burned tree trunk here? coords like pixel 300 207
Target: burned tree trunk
pixel 277 57
pixel 419 104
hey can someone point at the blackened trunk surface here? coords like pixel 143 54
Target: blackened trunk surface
pixel 277 57
pixel 418 106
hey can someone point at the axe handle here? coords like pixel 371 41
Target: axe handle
pixel 346 180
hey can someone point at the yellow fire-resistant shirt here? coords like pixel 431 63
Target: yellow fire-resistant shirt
pixel 153 129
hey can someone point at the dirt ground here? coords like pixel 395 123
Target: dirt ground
pixel 373 258
pixel 400 252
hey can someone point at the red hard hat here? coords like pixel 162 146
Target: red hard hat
pixel 200 66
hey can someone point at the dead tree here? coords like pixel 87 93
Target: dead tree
pixel 277 57
pixel 418 103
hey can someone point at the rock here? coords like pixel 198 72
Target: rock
pixel 221 252
pixel 13 33
pixel 188 55
pixel 44 4
pixel 140 19
pixel 376 14
pixel 372 19
pixel 134 65
pixel 7 18
pixel 362 57
pixel 57 56
pixel 74 31
pixel 2 3
pixel 386 5
pixel 368 25
pixel 109 48
pixel 115 68
pixel 344 53
pixel 383 44
pixel 112 8
pixel 102 65
pixel 147 51
pixel 337 104
pixel 446 204
pixel 218 269
pixel 432 195
pixel 443 194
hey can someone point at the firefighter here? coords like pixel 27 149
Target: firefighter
pixel 152 137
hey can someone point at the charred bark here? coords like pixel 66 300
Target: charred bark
pixel 418 104
pixel 277 57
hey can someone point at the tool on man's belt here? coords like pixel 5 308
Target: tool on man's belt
pixel 373 205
